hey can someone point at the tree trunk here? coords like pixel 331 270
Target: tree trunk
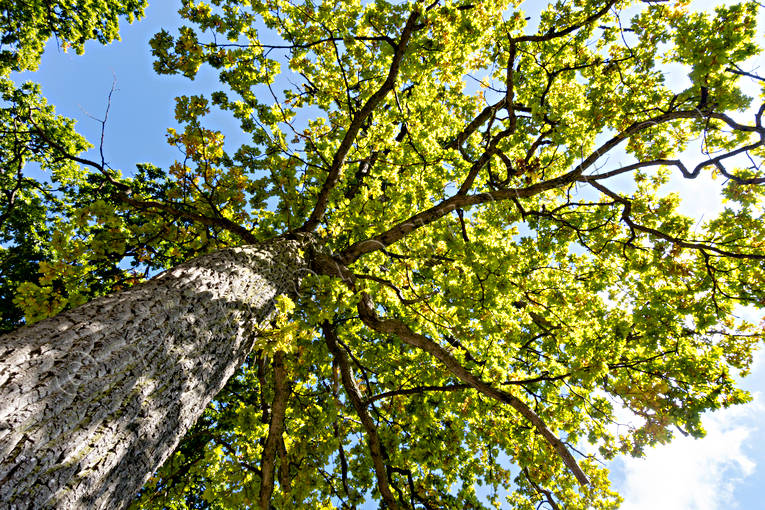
pixel 92 401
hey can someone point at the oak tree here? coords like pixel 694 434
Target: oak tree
pixel 446 257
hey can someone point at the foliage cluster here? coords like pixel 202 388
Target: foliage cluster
pixel 504 272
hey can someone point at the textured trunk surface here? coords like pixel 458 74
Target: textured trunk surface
pixel 92 401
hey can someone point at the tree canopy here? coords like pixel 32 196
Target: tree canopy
pixel 500 272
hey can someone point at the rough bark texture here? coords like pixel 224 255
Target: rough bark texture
pixel 94 400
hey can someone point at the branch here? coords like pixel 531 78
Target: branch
pixel 390 285
pixel 275 429
pixel 576 26
pixel 510 94
pixel 369 316
pixel 11 194
pixel 688 174
pixel 541 490
pixel 219 222
pixel 233 454
pixel 415 391
pixel 304 46
pixel 428 216
pixel 627 208
pixel 354 395
pixel 343 460
pixel 123 197
pixel 284 467
pixel 737 70
pixel 487 113
pixel 358 120
pixel 329 266
pixel 482 161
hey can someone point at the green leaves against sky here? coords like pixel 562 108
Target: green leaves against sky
pixel 491 187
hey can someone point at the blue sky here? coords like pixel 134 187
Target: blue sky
pixel 724 470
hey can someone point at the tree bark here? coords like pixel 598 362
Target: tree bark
pixel 92 401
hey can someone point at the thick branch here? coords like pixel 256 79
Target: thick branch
pixel 480 119
pixel 510 94
pixel 428 216
pixel 358 121
pixel 541 490
pixel 275 429
pixel 572 28
pixel 394 327
pixel 368 315
pixel 284 467
pixel 482 161
pixel 220 222
pixel 354 395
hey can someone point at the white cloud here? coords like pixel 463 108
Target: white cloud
pixel 694 474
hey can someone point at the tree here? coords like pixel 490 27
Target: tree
pixel 24 230
pixel 490 265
